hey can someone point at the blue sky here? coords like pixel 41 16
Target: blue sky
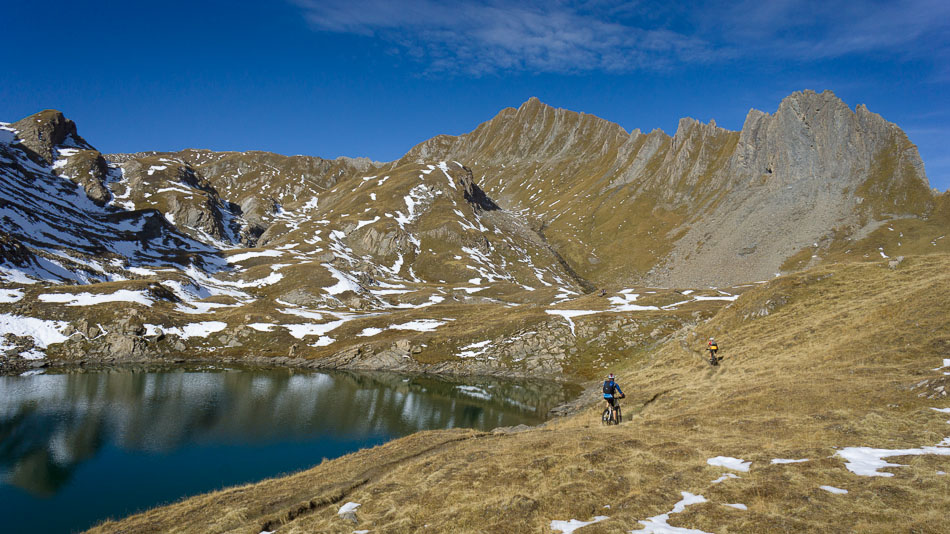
pixel 373 78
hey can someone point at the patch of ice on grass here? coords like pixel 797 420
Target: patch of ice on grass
pixel 659 525
pixel 832 489
pixel 737 506
pixel 730 463
pixel 567 527
pixel 941 410
pixel 725 477
pixel 263 327
pixel 32 372
pixel 419 325
pixel 787 461
pixel 370 332
pixel 866 461
pixel 10 295
pixel 153 168
pixel 90 299
pixel 348 507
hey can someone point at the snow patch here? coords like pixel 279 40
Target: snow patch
pixel 567 527
pixel 203 329
pixel 237 258
pixel 659 525
pixel 44 333
pixel 832 489
pixel 787 461
pixel 420 325
pixel 90 299
pixel 366 332
pixel 10 295
pixel 348 507
pixel 567 314
pixel 730 463
pixel 866 461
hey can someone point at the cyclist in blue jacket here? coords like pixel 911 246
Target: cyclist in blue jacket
pixel 612 392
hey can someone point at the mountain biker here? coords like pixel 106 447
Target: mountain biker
pixel 713 348
pixel 610 388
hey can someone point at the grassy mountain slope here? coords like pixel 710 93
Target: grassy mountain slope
pixel 838 356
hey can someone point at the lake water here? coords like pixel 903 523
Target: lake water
pixel 76 448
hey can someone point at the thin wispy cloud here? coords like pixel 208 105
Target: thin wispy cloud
pixel 485 36
pixel 479 37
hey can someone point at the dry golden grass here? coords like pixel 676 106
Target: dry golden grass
pixel 830 365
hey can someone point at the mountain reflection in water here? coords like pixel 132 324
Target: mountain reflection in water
pixel 50 424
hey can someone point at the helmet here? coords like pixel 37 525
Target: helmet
pixel 610 376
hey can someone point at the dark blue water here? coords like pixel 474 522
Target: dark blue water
pixel 78 448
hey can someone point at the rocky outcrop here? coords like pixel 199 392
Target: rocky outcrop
pixel 89 170
pixel 43 131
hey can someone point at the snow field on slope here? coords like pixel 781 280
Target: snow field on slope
pixel 10 295
pixel 91 299
pixel 270 253
pixel 202 329
pixel 43 332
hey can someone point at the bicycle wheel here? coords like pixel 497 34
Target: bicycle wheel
pixel 619 416
pixel 605 417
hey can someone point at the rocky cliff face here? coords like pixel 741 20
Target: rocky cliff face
pixel 707 206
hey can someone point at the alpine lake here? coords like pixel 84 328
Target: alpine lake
pixel 79 447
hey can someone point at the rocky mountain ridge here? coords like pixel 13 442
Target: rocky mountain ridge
pixel 476 253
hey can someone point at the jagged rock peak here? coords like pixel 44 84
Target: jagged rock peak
pixel 43 131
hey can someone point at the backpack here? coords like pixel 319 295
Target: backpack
pixel 609 387
pixel 714 346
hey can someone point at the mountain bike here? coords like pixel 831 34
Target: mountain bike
pixel 606 418
pixel 713 359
